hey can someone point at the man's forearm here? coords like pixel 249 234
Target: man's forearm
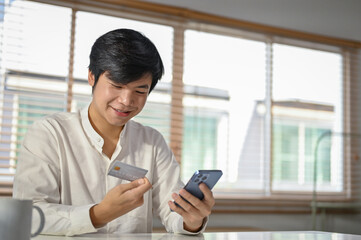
pixel 99 216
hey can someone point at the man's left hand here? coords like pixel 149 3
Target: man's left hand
pixel 194 211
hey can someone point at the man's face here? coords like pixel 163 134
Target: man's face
pixel 115 104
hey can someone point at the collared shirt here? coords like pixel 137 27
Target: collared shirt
pixel 63 169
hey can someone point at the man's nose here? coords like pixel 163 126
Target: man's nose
pixel 126 98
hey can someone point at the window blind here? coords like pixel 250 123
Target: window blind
pixel 30 89
pixel 44 70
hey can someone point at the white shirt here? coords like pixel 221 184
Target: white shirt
pixel 62 168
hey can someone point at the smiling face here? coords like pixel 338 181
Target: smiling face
pixel 114 104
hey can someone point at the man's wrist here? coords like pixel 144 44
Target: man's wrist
pixel 194 228
pixel 98 216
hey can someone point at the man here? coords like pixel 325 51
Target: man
pixel 65 157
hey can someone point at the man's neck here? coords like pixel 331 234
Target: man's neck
pixel 109 133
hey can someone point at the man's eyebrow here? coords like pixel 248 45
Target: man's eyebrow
pixel 145 86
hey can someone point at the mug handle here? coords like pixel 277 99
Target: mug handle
pixel 42 221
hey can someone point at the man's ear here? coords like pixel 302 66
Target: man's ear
pixel 91 78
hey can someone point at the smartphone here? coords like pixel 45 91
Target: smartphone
pixel 208 177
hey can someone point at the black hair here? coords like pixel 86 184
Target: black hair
pixel 125 55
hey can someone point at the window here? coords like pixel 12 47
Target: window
pixel 29 88
pixel 301 109
pixel 236 68
pixel 251 104
pixel 307 101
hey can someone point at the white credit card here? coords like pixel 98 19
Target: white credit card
pixel 126 171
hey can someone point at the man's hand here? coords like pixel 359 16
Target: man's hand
pixel 196 210
pixel 119 201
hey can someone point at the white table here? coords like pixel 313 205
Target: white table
pixel 301 235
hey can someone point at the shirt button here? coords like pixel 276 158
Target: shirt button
pixel 99 140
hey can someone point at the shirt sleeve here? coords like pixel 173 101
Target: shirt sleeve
pixel 38 178
pixel 167 181
pixel 179 227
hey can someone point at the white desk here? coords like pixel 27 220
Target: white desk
pixel 302 235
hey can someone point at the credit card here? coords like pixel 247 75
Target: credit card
pixel 126 171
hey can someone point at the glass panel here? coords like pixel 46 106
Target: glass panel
pixel 31 48
pixel 285 152
pixel 31 108
pixel 306 75
pixel 34 62
pixel 307 97
pixel 200 139
pixel 224 81
pixel 323 170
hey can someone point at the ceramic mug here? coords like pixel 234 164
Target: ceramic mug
pixel 15 219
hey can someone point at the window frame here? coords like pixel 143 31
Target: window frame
pixel 182 19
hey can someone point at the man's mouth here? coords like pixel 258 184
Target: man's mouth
pixel 121 112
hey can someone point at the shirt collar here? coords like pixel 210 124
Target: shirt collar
pixel 96 140
pixel 93 136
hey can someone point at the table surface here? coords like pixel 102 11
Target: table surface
pixel 291 235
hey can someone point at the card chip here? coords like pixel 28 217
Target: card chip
pixel 116 168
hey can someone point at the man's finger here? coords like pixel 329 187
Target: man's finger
pixel 208 195
pixel 191 201
pixel 175 208
pixel 206 191
pixel 141 183
pixel 144 184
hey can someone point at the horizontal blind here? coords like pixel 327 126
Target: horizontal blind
pixel 36 71
pixel 303 108
pixel 313 88
pixel 316 126
pixel 209 121
pixel 352 71
pixel 30 89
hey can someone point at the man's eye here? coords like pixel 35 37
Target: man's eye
pixel 140 92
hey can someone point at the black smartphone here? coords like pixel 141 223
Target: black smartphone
pixel 209 177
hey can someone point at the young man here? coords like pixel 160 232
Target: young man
pixel 65 157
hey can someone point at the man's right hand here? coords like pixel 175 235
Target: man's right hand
pixel 119 201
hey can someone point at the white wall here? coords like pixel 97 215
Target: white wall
pixel 336 18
